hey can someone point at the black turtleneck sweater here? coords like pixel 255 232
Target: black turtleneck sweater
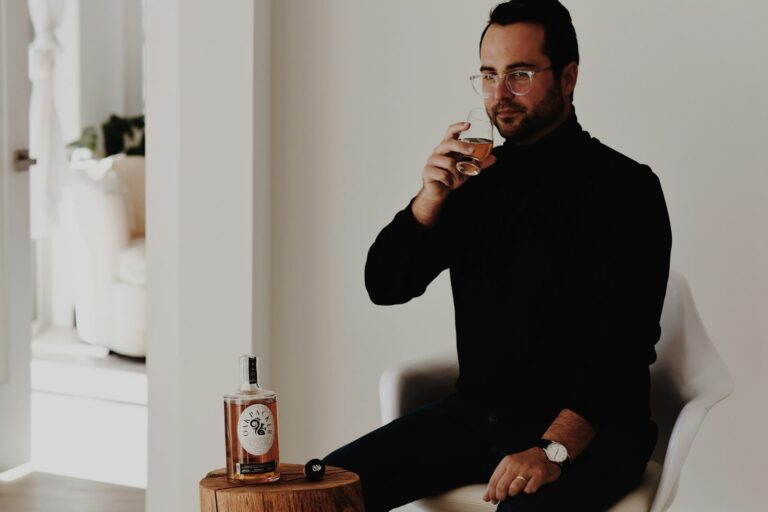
pixel 559 258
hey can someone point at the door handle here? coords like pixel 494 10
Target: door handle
pixel 21 160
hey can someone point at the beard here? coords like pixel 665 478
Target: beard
pixel 527 123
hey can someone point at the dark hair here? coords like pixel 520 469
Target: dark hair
pixel 560 43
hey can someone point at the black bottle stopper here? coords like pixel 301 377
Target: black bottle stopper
pixel 314 469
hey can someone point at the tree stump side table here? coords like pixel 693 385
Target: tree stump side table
pixel 338 491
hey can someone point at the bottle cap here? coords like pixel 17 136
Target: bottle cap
pixel 249 365
pixel 314 469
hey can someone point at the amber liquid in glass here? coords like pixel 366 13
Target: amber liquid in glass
pixel 470 165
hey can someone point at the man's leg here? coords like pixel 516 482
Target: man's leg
pixel 596 480
pixel 438 447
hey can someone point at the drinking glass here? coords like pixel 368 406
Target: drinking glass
pixel 480 134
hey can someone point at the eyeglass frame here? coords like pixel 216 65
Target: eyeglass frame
pixel 530 72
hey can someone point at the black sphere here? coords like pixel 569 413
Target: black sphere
pixel 314 469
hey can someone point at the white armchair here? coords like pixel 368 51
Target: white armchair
pixel 104 220
pixel 687 379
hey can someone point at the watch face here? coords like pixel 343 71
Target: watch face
pixel 556 452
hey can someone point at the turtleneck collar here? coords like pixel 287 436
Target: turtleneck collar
pixel 569 131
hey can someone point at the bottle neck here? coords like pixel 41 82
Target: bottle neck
pixel 249 373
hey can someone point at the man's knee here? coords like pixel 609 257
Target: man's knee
pixel 357 457
pixel 341 458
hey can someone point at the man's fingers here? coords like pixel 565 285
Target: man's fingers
pixel 502 489
pixel 447 164
pixel 518 473
pixel 455 129
pixel 442 162
pixel 533 485
pixel 490 490
pixel 517 485
pixel 432 173
pixel 454 146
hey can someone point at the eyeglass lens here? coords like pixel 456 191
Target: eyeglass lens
pixel 517 83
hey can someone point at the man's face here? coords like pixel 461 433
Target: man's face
pixel 522 119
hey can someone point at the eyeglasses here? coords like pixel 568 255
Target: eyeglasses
pixel 518 82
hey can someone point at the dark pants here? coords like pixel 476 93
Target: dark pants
pixel 455 442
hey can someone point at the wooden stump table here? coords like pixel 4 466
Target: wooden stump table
pixel 338 491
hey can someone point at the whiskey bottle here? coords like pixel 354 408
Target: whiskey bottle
pixel 250 421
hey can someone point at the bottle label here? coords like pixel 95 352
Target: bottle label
pixel 256 429
pixel 255 469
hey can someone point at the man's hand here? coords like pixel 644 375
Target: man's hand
pixel 440 176
pixel 532 465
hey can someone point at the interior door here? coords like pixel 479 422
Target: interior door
pixel 15 244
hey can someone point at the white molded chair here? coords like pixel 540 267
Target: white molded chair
pixel 687 379
pixel 105 226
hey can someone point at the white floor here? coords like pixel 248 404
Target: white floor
pixel 43 492
pixel 89 411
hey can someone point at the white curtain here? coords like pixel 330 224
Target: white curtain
pixel 46 144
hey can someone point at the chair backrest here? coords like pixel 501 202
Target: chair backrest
pixel 687 379
pixel 405 388
pixel 129 171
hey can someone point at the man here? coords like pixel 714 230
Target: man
pixel 559 258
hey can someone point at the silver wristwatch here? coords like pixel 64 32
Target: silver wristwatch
pixel 555 452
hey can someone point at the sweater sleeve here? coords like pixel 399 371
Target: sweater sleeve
pixel 407 256
pixel 625 272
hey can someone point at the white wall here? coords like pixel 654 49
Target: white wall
pixel 100 68
pixel 362 92
pixel 110 71
pixel 132 53
pixel 352 128
pixel 200 162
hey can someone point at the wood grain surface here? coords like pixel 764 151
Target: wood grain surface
pixel 338 491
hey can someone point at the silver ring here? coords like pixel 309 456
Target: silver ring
pixel 518 477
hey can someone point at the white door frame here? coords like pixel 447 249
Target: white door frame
pixel 15 244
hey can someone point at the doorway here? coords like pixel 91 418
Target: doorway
pixel 74 402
